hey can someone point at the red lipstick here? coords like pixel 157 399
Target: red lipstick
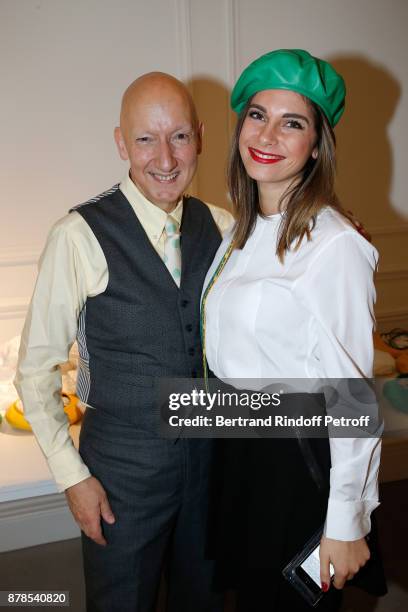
pixel 264 158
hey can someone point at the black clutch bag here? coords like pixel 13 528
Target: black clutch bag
pixel 303 571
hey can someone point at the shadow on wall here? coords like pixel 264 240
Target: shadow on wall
pixel 212 101
pixel 365 157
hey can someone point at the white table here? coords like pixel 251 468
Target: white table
pixel 31 510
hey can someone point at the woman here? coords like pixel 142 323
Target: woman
pixel 289 295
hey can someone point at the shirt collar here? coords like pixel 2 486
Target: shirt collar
pixel 151 217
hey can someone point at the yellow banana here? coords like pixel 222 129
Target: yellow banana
pixel 14 415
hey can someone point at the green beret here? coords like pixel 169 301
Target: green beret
pixel 295 70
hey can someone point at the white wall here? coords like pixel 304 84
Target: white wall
pixel 65 63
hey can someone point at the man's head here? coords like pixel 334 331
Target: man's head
pixel 160 135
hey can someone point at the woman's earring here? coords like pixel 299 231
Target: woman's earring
pixel 315 154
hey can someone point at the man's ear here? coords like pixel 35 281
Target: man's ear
pixel 120 143
pixel 200 132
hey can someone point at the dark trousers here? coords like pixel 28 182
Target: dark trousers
pixel 158 492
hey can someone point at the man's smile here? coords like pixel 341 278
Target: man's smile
pixel 164 178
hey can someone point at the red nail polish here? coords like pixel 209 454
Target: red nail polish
pixel 325 587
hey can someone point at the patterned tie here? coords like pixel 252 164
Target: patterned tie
pixel 172 251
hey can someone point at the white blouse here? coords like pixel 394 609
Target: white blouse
pixel 310 317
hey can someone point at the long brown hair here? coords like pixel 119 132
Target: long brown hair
pixel 304 200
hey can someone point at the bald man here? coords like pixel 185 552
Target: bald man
pixel 123 274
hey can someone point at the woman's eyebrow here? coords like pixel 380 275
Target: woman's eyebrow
pixel 262 108
pixel 285 116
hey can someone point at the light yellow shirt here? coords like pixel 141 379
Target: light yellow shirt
pixel 152 218
pixel 72 268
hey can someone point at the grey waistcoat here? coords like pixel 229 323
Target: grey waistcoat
pixel 142 327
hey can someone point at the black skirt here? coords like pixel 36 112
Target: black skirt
pixel 265 505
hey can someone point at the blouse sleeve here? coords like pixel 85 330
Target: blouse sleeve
pixel 339 291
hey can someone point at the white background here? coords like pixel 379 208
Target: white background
pixel 65 63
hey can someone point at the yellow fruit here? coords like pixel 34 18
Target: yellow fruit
pixel 14 415
pixel 70 407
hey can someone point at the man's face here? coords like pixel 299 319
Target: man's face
pixel 160 139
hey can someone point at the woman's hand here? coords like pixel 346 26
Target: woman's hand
pixel 346 558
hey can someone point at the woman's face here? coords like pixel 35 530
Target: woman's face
pixel 277 138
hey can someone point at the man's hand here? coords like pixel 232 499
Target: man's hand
pixel 88 502
pixel 346 557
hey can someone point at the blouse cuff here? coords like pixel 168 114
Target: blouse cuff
pixel 349 520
